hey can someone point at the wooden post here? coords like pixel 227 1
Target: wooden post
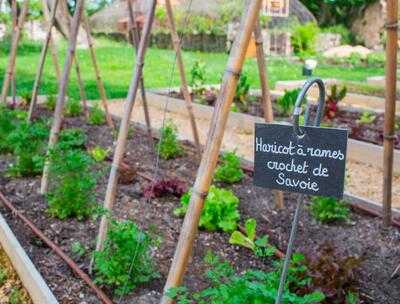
pixel 13 53
pixel 42 60
pixel 390 109
pixel 99 80
pixel 124 127
pixel 211 152
pixel 265 93
pixel 133 32
pixel 53 47
pixel 58 112
pixel 184 87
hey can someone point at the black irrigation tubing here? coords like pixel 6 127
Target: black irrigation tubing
pixel 81 274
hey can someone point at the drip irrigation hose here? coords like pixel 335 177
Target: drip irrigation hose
pixel 75 268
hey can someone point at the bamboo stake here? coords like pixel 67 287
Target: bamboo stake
pixel 81 86
pixel 58 112
pixel 124 127
pixel 13 84
pixel 211 152
pixel 184 86
pixel 13 53
pixel 133 33
pixel 53 47
pixel 265 94
pixel 99 80
pixel 390 109
pixel 42 60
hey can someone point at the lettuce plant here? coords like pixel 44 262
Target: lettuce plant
pixel 229 170
pixel 220 211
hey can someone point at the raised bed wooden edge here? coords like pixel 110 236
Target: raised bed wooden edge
pixel 30 277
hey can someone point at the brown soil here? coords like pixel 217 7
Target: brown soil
pixel 362 235
pixel 11 288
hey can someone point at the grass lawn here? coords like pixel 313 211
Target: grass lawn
pixel 116 61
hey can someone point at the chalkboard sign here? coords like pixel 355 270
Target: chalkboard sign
pixel 311 164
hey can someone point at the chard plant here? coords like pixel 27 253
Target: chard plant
pixel 229 170
pixel 287 102
pixel 220 211
pixel 242 92
pixel 126 261
pixel 198 77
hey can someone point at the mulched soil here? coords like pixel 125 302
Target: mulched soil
pixel 347 119
pixel 362 235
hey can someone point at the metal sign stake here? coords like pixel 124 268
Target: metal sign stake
pixel 297 130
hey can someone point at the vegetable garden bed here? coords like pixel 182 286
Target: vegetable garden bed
pixel 359 236
pixel 365 126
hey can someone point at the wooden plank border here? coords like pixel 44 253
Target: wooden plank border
pixel 32 280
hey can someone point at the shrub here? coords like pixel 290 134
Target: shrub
pixel 250 287
pixel 328 209
pixel 169 146
pixel 220 211
pixel 96 116
pixel 73 107
pixel 259 246
pixel 125 262
pixel 229 171
pixel 28 144
pixel 198 77
pixel 304 38
pixel 72 189
pixel 287 102
pixel 347 37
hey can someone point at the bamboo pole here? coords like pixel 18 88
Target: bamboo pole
pixel 81 86
pixel 184 86
pixel 265 94
pixel 99 80
pixel 133 33
pixel 213 145
pixel 58 112
pixel 42 60
pixel 53 47
pixel 13 85
pixel 390 109
pixel 13 53
pixel 124 127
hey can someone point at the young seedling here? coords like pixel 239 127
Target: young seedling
pixel 328 209
pixel 73 108
pixel 99 154
pixel 229 170
pixel 366 118
pixel 169 146
pixel 96 116
pixel 260 246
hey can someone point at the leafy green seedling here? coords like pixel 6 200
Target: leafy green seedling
pixel 78 249
pixel 73 108
pixel 366 118
pixel 97 116
pixel 169 146
pixel 220 210
pixel 259 246
pixel 328 209
pixel 99 154
pixel 229 171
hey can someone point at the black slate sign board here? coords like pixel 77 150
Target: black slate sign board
pixel 313 164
